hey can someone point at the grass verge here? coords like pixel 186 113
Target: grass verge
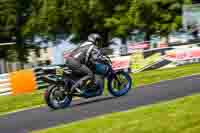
pixel 11 104
pixel 15 103
pixel 178 116
pixel 154 76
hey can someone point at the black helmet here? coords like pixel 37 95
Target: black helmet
pixel 96 39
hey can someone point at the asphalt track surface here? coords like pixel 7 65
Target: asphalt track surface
pixel 40 118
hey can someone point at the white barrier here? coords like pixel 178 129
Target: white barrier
pixel 5 86
pixel 4 76
pixel 5 94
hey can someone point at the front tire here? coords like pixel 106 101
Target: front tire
pixel 119 84
pixel 57 99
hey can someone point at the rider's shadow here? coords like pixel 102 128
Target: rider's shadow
pixel 82 102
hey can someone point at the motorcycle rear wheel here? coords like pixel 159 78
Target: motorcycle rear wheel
pixel 56 98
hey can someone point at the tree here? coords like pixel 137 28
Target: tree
pixel 78 18
pixel 7 20
pixel 13 15
pixel 119 23
pixel 7 29
pixel 22 12
pixel 152 16
pixel 109 18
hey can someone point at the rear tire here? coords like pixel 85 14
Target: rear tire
pixel 61 101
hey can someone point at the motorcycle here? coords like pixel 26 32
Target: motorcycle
pixel 61 79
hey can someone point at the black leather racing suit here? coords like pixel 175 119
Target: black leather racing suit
pixel 81 61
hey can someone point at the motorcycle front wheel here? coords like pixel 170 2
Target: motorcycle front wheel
pixel 56 98
pixel 119 83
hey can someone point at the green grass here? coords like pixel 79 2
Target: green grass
pixel 13 103
pixel 149 77
pixel 178 116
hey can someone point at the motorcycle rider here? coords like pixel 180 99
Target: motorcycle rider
pixel 82 60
